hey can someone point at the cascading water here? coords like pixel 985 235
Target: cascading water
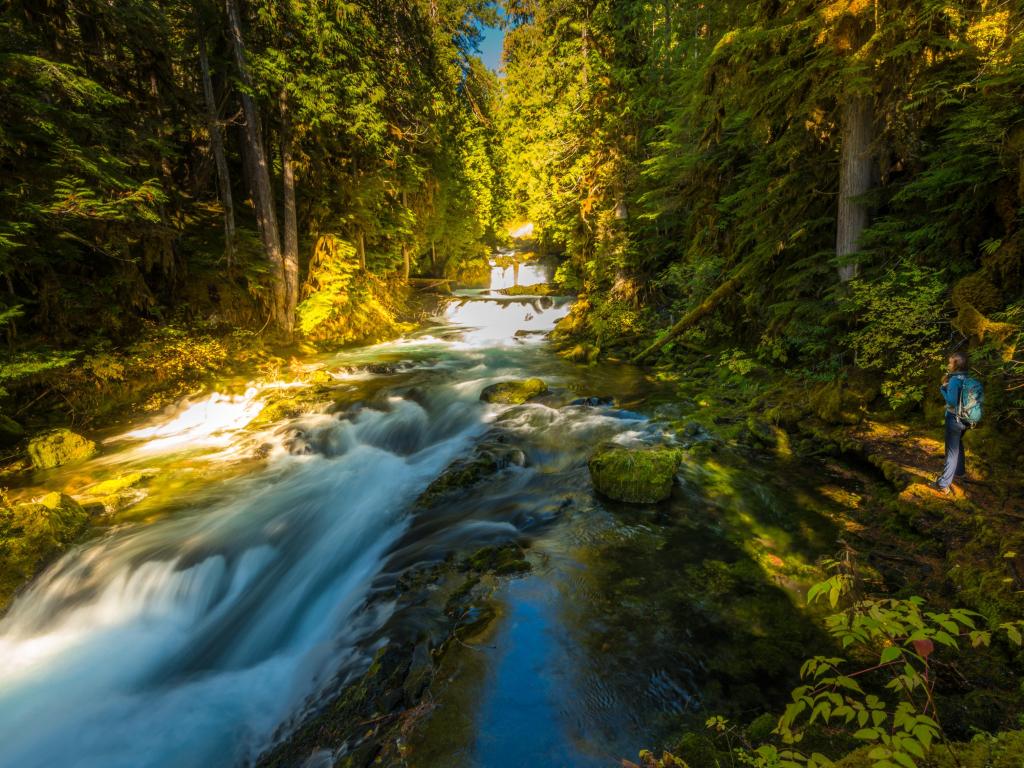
pixel 189 641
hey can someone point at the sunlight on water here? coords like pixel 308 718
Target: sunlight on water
pixel 206 423
pixel 497 322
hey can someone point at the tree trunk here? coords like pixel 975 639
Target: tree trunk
pixel 291 227
pixel 433 258
pixel 361 250
pixel 855 172
pixel 266 218
pixel 406 259
pixel 219 157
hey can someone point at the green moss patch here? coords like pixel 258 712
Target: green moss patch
pixel 59 447
pixel 513 392
pixel 636 475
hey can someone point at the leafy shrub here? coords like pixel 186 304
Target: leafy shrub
pixel 899 329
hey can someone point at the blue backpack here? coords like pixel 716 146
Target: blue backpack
pixel 972 395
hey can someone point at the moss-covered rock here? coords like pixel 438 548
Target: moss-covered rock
pixel 514 392
pixel 59 447
pixel 32 535
pixel 537 289
pixel 636 475
pixel 491 455
pixel 501 561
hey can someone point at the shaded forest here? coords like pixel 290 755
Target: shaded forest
pixel 189 171
pixel 815 186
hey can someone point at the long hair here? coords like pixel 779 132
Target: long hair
pixel 959 360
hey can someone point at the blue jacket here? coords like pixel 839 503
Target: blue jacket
pixel 951 392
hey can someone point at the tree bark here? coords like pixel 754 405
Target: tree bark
pixel 855 171
pixel 406 259
pixel 266 218
pixel 219 156
pixel 291 227
pixel 691 317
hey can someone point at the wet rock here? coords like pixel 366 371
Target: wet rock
pixel 514 392
pixel 117 493
pixel 491 455
pixel 11 432
pixel 59 447
pixel 319 378
pixel 696 432
pixel 290 404
pixel 627 415
pixel 501 561
pixel 636 475
pixel 594 401
pixel 122 482
pixel 762 431
pixel 33 534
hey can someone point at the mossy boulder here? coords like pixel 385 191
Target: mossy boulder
pixel 514 392
pixel 33 534
pixel 59 447
pixel 635 475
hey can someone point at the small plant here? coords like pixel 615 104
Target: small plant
pixel 900 637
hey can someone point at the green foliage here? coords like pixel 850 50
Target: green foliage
pixel 678 160
pixel 885 695
pixel 899 333
pixel 343 304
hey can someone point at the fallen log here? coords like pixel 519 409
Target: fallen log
pixel 692 317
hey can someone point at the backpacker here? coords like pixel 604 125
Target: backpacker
pixel 972 395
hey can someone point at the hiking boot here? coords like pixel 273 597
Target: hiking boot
pixel 945 490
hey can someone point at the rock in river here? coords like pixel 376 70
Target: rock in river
pixel 513 392
pixel 637 475
pixel 59 447
pixel 32 534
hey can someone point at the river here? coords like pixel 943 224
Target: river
pixel 202 624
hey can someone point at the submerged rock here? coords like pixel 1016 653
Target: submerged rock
pixel 594 401
pixel 59 447
pixel 33 534
pixel 117 493
pixel 636 475
pixel 514 392
pixel 492 455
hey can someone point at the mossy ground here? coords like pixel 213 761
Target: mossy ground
pixel 959 550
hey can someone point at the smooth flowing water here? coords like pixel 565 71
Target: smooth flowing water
pixel 209 619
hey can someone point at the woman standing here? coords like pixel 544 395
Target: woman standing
pixel 951 389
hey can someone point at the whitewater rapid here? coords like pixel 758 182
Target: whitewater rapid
pixel 193 640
